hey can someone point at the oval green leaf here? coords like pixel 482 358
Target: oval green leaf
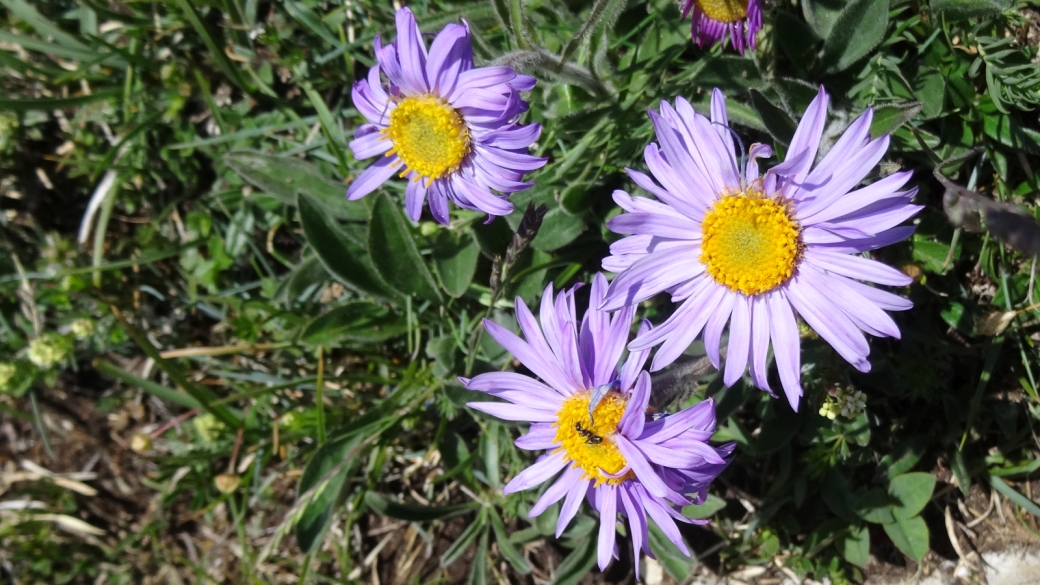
pixel 394 253
pixel 912 491
pixel 455 259
pixel 338 253
pixel 358 321
pixel 910 535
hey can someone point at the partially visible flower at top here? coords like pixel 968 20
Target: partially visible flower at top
pixel 717 20
pixel 451 129
pixel 733 245
pixel 591 414
pixel 48 350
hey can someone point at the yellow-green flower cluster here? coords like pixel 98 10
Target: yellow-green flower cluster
pixel 48 350
pixel 8 373
pixel 82 328
pixel 848 402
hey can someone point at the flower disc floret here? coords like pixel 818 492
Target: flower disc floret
pixel 723 10
pixel 429 136
pixel 590 443
pixel 751 243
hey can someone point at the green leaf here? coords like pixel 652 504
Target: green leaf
pixel 777 121
pixel 711 505
pixel 578 563
pixel 888 118
pixel 559 228
pixel 875 506
pixel 822 15
pixel 358 321
pixel 157 390
pixel 415 512
pixel 478 572
pixel 462 544
pixel 42 25
pixel 669 555
pixel 912 491
pixel 306 274
pixel 577 198
pixel 970 8
pixel 910 535
pixel 932 255
pixel 455 258
pixel 50 104
pixel 1013 495
pixel 282 177
pixel 216 51
pixel 394 254
pixel 859 28
pixel 796 38
pixel 327 472
pixel 930 90
pixel 506 547
pixel 855 547
pixel 343 258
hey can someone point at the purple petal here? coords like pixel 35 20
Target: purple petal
pixel 739 341
pixel 700 418
pixel 642 468
pixel 632 421
pixel 703 305
pixel 541 437
pixel 860 198
pixel 759 343
pixel 786 346
pixel 515 138
pixel 369 145
pixel 756 152
pixel 494 382
pixel 691 207
pixel 373 177
pixel 556 492
pixel 883 299
pixel 546 467
pixel 636 521
pixel 806 295
pixel 664 521
pixel 447 53
pixel 575 495
pixel 371 100
pixel 651 275
pixel 856 267
pixel 636 360
pixel 606 497
pixel 886 238
pixel 535 357
pixel 411 52
pixel 414 196
pixel 506 411
pixel 713 328
pixel 807 136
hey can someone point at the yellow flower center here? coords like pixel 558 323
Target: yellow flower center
pixel 724 10
pixel 590 444
pixel 428 135
pixel 750 242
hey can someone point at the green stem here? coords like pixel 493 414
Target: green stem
pixel 320 395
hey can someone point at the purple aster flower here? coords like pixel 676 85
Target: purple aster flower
pixel 594 420
pixel 715 20
pixel 754 250
pixel 450 128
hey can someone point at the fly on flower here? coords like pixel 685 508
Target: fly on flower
pixel 450 128
pixel 590 413
pixel 719 20
pixel 751 250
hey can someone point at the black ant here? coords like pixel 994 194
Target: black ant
pixel 590 437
